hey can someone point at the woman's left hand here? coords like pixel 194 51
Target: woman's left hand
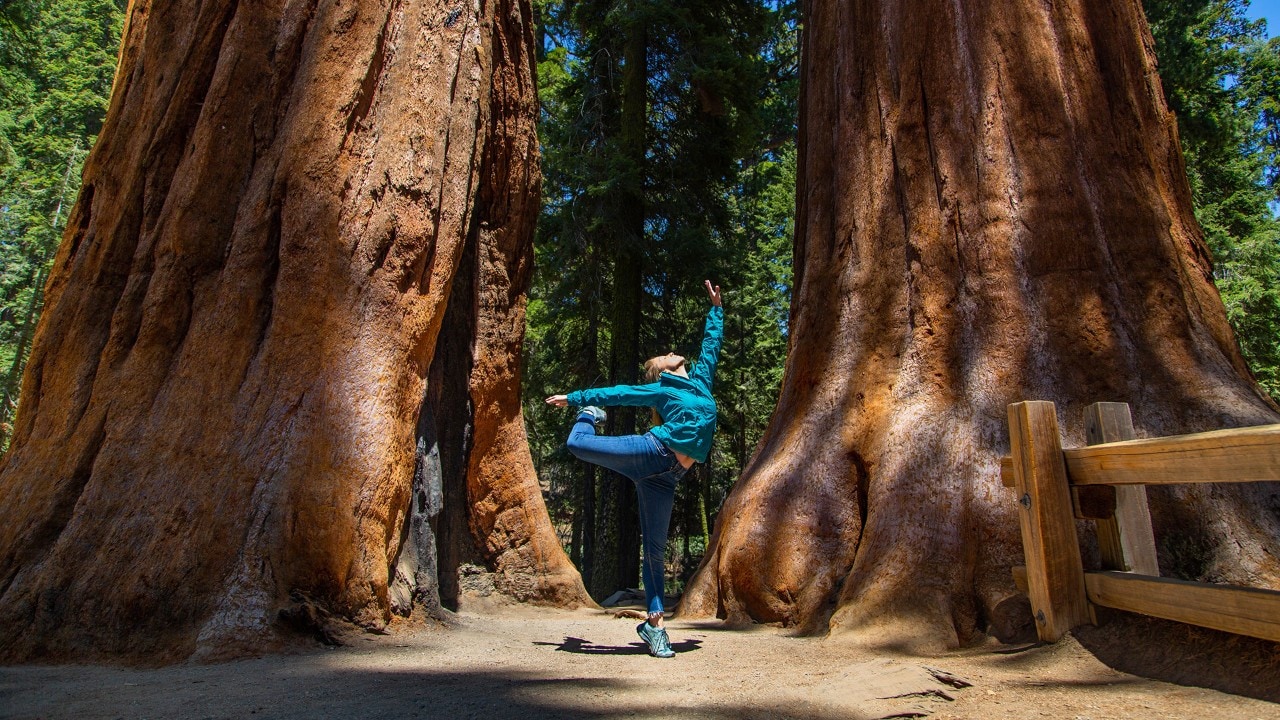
pixel 558 400
pixel 714 292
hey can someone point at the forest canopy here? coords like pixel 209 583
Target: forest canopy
pixel 57 59
pixel 1221 77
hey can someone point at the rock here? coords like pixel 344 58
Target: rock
pixel 476 581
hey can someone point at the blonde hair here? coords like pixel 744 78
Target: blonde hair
pixel 651 374
pixel 651 371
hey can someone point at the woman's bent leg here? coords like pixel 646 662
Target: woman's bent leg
pixel 655 472
pixel 631 455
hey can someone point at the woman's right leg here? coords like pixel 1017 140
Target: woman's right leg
pixel 653 469
pixel 655 473
pixel 656 495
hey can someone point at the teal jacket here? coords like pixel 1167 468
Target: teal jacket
pixel 685 404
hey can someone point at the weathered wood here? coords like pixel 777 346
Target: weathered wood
pixel 1125 540
pixel 1249 454
pixel 1245 611
pixel 1055 573
pixel 1006 472
pixel 1019 577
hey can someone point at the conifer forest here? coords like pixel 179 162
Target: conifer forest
pixel 362 257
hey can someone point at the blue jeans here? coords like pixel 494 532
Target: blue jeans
pixel 655 471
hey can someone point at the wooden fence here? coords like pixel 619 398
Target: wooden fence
pixel 1104 482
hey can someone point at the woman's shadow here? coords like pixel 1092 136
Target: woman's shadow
pixel 586 647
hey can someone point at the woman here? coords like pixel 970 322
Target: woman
pixel 655 461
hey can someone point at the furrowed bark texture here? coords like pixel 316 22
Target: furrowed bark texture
pixel 506 510
pixel 992 207
pixel 219 412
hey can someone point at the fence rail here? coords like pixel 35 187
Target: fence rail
pixel 1242 455
pixel 1104 482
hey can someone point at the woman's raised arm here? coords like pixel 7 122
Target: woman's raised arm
pixel 712 335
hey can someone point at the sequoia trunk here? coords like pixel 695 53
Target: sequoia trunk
pixel 992 207
pixel 223 398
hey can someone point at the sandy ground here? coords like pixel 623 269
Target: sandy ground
pixel 529 664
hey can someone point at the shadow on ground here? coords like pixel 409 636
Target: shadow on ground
pixel 586 647
pixel 1185 655
pixel 321 685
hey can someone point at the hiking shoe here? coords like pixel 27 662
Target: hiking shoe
pixel 656 637
pixel 594 415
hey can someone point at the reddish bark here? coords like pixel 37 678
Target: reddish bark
pixel 992 207
pixel 220 407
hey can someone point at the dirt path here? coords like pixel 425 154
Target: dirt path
pixel 526 665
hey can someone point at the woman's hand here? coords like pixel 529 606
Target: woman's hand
pixel 714 292
pixel 558 400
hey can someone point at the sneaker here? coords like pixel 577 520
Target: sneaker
pixel 656 637
pixel 596 415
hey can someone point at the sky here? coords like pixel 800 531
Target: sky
pixel 1268 9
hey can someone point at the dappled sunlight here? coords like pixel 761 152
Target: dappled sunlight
pixel 557 664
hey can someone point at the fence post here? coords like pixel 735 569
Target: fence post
pixel 1126 540
pixel 1055 573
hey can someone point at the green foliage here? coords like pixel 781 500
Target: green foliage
pixel 716 184
pixel 1222 79
pixel 58 61
pixel 1259 92
pixel 755 330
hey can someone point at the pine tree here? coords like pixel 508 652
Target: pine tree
pixel 1219 75
pixel 636 215
pixel 56 79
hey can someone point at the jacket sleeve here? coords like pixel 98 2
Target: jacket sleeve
pixel 635 395
pixel 705 370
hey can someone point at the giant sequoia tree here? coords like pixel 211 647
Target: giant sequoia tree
pixel 992 207
pixel 297 212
